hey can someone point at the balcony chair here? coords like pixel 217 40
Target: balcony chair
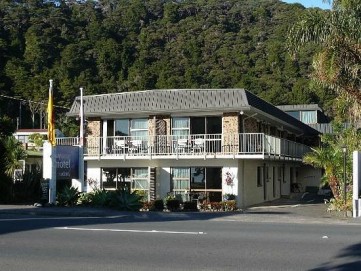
pixel 182 145
pixel 198 145
pixel 136 146
pixel 120 146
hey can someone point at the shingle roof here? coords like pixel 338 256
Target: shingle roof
pixel 173 101
pixel 161 101
pixel 298 107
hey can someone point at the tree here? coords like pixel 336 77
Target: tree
pixel 6 126
pixel 329 160
pixel 329 157
pixel 113 46
pixel 14 151
pixel 6 130
pixel 337 65
pixel 37 139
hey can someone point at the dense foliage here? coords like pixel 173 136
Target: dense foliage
pixel 337 66
pixel 112 46
pixel 330 157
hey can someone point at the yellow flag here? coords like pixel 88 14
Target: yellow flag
pixel 51 125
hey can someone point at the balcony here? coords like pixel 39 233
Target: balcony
pixel 206 146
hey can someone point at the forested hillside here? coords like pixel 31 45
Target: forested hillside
pixel 112 46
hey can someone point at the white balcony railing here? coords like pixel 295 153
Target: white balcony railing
pixel 207 145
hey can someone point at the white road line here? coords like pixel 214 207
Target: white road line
pixel 136 231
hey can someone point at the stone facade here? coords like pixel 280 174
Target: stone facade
pixel 230 128
pixel 158 126
pixel 93 128
pixel 151 126
pixel 93 136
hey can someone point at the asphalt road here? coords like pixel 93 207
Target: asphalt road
pixel 133 242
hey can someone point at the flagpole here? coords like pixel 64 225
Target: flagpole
pixel 49 152
pixel 81 114
pixel 81 143
pixel 51 128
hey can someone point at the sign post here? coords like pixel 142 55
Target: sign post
pixel 356 184
pixel 49 169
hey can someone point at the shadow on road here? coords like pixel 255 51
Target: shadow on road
pixel 267 212
pixel 17 220
pixel 352 254
pixel 26 218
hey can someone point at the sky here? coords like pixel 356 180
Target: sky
pixel 310 3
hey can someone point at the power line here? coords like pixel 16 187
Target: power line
pixel 29 101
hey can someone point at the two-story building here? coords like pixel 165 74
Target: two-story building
pixel 194 143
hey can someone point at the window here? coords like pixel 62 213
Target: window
pixel 198 178
pixel 309 117
pixel 129 178
pixel 213 178
pixel 180 180
pixel 180 127
pixel 194 181
pixel 109 178
pixel 128 127
pixel 140 181
pixel 206 125
pixel 295 114
pixel 121 127
pixel 139 128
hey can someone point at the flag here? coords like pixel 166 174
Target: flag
pixel 51 125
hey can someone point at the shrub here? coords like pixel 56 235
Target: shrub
pixel 173 204
pixel 229 197
pixel 29 189
pixel 68 196
pixel 100 198
pixel 158 205
pixel 204 206
pixel 170 196
pixel 5 188
pixel 85 198
pixel 125 201
pixel 216 206
pixel 190 206
pixel 230 205
pixel 142 194
pixel 339 205
pixel 148 205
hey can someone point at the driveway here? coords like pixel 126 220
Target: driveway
pixel 310 206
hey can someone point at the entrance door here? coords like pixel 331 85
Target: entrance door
pixel 265 178
pixel 274 188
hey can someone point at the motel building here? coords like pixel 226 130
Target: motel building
pixel 194 143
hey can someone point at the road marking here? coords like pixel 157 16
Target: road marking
pixel 136 231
